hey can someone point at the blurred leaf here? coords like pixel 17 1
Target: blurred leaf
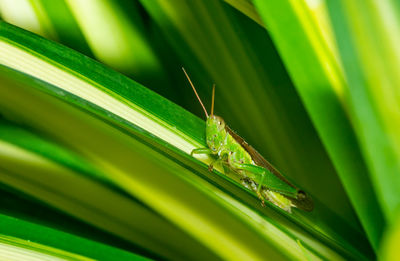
pixel 23 240
pixel 247 8
pixel 389 250
pixel 316 72
pixel 80 190
pixel 27 14
pixel 64 24
pixel 119 43
pixel 367 34
pixel 19 206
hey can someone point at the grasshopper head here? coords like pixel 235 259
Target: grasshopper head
pixel 215 132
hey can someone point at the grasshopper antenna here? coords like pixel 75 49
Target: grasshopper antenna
pixel 194 89
pixel 212 100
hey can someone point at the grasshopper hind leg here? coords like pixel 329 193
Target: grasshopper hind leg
pixel 252 185
pixel 260 196
pixel 246 182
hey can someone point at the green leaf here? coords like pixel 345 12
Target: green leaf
pixel 141 142
pixel 99 203
pixel 367 36
pixel 247 8
pixel 127 50
pixel 127 162
pixel 28 15
pixel 390 243
pixel 28 212
pixel 315 70
pixel 25 240
pixel 66 29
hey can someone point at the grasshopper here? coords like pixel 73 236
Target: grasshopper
pixel 256 173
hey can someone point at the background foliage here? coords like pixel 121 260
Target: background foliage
pixel 312 85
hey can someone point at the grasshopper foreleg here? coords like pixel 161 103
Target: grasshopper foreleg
pixel 207 151
pixel 201 151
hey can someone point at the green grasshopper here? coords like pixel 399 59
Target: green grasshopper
pixel 256 173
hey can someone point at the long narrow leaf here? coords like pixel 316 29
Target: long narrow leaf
pixel 321 84
pixel 367 36
pixel 130 132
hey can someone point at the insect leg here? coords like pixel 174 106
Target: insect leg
pixel 221 159
pixel 266 178
pixel 201 151
pixel 211 166
pixel 255 173
pixel 207 151
pixel 226 168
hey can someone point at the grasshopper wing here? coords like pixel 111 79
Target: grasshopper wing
pixel 302 201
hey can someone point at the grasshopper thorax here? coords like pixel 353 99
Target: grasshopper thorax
pixel 215 133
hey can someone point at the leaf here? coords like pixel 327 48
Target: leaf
pixel 367 37
pixel 127 50
pixel 32 165
pixel 30 241
pixel 390 243
pixel 141 142
pixel 320 82
pixel 24 218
